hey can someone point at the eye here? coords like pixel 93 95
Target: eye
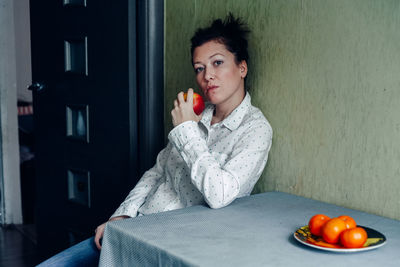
pixel 198 69
pixel 218 62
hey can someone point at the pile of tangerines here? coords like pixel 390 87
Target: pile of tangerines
pixel 342 229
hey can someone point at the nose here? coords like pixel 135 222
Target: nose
pixel 209 75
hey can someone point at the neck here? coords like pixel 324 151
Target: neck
pixel 223 110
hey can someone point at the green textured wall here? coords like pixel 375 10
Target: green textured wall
pixel 326 74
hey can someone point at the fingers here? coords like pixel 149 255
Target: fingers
pixel 99 232
pixel 99 235
pixel 173 115
pixel 97 241
pixel 183 110
pixel 190 96
pixel 181 99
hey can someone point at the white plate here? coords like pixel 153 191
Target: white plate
pixel 374 241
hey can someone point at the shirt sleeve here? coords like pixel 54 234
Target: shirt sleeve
pixel 219 183
pixel 139 193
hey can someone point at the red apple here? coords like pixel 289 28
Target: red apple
pixel 198 103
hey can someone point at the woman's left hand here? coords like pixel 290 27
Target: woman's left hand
pixel 183 110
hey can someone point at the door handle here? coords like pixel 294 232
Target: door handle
pixel 36 87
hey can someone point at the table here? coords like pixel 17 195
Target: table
pixel 252 231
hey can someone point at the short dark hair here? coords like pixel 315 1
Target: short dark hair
pixel 232 33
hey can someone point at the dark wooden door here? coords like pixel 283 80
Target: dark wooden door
pixel 85 115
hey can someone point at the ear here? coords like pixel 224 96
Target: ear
pixel 243 68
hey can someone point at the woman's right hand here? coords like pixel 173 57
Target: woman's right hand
pixel 100 230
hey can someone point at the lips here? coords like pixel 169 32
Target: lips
pixel 211 87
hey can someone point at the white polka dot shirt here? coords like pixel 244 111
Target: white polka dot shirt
pixel 204 163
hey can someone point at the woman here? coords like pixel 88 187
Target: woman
pixel 212 158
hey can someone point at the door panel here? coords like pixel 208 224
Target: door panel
pixel 85 116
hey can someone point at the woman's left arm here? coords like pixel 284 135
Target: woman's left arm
pixel 222 181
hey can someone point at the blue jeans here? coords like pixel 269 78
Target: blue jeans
pixel 84 254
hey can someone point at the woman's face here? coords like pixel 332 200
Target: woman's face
pixel 218 75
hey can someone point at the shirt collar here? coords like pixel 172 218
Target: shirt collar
pixel 234 119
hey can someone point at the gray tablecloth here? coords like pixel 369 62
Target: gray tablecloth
pixel 252 231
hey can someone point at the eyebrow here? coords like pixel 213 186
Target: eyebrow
pixel 198 62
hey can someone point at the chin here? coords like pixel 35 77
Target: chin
pixel 213 100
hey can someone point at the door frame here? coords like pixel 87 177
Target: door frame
pixel 150 64
pixel 13 56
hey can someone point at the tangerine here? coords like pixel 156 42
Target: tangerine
pixel 350 222
pixel 353 238
pixel 332 229
pixel 316 222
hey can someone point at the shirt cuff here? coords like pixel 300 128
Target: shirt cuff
pixel 125 210
pixel 188 141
